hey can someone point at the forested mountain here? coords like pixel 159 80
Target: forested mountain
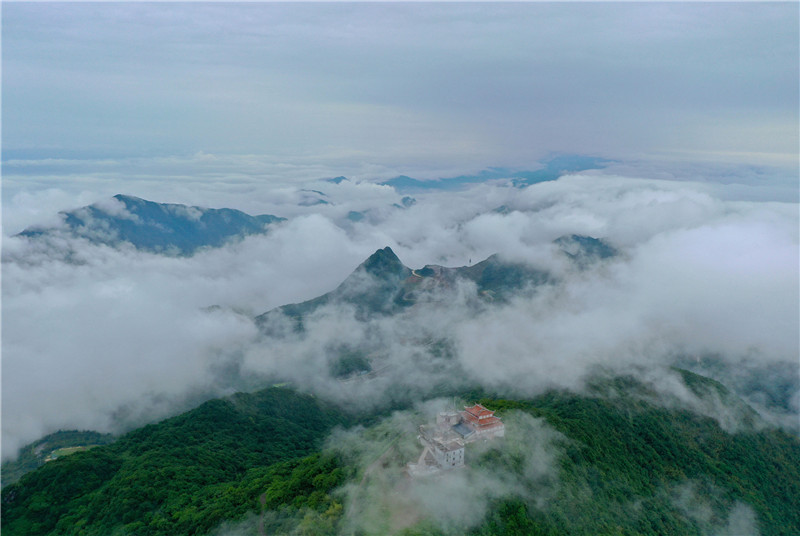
pixel 616 455
pixel 50 447
pixel 157 227
pixel 614 463
pixel 162 478
pixel 383 285
pixel 399 268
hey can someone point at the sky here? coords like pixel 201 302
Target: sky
pixel 248 105
pixel 411 86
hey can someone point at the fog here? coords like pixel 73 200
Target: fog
pixel 385 500
pixel 524 466
pixel 106 338
pixel 706 506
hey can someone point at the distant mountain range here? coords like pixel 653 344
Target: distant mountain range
pixel 552 169
pixel 176 229
pixel 171 229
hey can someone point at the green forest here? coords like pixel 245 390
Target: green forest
pixel 261 456
pixel 34 455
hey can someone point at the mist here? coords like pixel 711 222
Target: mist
pixel 385 500
pixel 526 466
pixel 108 338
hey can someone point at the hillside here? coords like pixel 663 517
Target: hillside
pixel 630 462
pixel 156 227
pixel 37 453
pixel 149 481
pixel 623 465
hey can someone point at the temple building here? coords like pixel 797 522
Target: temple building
pixel 482 422
pixel 445 442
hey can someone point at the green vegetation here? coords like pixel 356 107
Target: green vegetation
pixel 348 362
pixel 66 451
pixel 34 455
pixel 180 476
pixel 504 279
pixel 625 459
pixel 625 466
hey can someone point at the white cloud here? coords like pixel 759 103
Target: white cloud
pixel 91 333
pixel 386 501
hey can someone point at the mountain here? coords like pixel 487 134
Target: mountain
pixel 616 462
pixel 355 216
pixel 376 286
pixel 48 448
pixel 310 198
pixel 552 169
pixel 156 479
pixel 383 285
pixel 157 227
pixel 585 250
pixel 559 165
pixel 637 467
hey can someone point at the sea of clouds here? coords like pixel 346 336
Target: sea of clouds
pixel 95 337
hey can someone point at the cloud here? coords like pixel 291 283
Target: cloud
pixel 383 499
pixel 95 337
pixel 714 515
pixel 88 330
pixel 115 208
pixel 393 84
pixel 728 287
pixel 35 190
pixel 693 271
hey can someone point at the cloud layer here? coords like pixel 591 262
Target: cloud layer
pixel 95 337
pixel 474 84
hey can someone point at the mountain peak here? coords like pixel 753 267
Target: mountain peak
pixel 124 197
pixel 585 249
pixel 384 262
pixel 132 202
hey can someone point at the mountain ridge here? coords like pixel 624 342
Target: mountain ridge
pixel 382 284
pixel 552 168
pixel 166 228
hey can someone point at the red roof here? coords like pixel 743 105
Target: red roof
pixel 479 411
pixel 490 423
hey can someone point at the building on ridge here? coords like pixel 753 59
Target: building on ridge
pixel 444 443
pixel 482 422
